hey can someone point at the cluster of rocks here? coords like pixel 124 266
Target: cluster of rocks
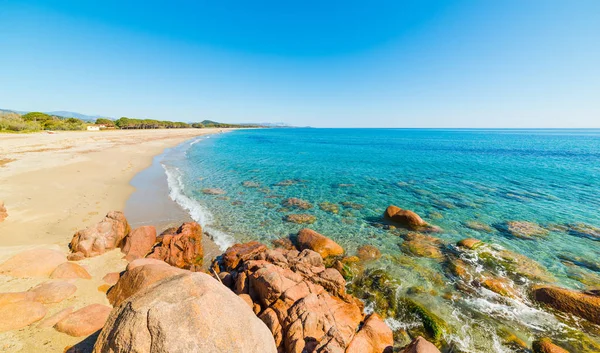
pixel 21 309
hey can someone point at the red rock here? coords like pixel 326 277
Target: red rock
pixel 17 315
pixel 70 270
pixel 52 320
pixel 247 299
pixel 577 303
pixel 33 263
pixel 545 345
pixel 106 235
pixel 13 297
pixel 84 321
pixel 111 278
pixel 373 337
pixel 422 245
pixel 143 262
pixel 309 239
pixel 469 243
pixel 184 249
pixel 240 252
pixel 53 291
pixel 420 345
pixel 406 218
pixel 139 242
pixel 138 278
pixel 501 286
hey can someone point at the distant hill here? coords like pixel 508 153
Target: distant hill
pixel 63 114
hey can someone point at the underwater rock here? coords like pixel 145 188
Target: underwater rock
pixel 294 202
pixel 309 239
pixel 288 182
pixel 545 345
pixel 524 229
pixel 301 218
pixel 569 301
pixel 433 325
pixel 329 207
pixel 352 205
pixel 406 218
pixel 478 226
pixel 422 245
pixel 250 184
pixel 213 191
pixel 377 286
pixel 500 286
pixel 583 230
pixel 368 252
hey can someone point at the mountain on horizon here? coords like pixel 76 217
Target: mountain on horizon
pixel 63 113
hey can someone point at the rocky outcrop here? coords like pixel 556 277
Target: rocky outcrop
pixel 84 321
pixel 405 218
pixel 3 212
pixel 309 239
pixel 189 312
pixel 525 230
pixel 20 314
pixel 182 249
pixel 301 218
pixel 304 304
pixel 569 301
pixel 70 270
pixel 420 345
pixel 108 234
pixel 545 345
pixel 33 263
pixel 139 242
pixel 373 337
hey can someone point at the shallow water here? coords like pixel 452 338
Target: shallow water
pixel 449 177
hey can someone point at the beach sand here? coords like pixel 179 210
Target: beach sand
pixel 55 184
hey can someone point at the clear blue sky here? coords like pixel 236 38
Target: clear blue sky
pixel 346 63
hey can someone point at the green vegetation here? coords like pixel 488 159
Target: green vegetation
pixel 106 122
pixel 129 123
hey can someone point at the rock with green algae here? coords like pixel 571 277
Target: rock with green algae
pixel 377 286
pixel 294 202
pixel 584 231
pixel 422 245
pixel 434 326
pixel 478 226
pixel 352 205
pixel 545 345
pixel 523 229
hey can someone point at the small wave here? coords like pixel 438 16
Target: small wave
pixel 198 213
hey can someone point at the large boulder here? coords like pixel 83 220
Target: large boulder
pixel 138 278
pixel 108 234
pixel 190 312
pixel 17 315
pixel 3 212
pixel 405 218
pixel 139 242
pixel 84 321
pixel 33 263
pixel 309 239
pixel 420 345
pixel 182 249
pixel 373 337
pixel 53 291
pixel 580 304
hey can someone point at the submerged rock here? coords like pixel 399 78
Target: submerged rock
pixel 294 202
pixel 433 325
pixel 329 207
pixel 584 231
pixel 189 312
pixel 352 205
pixel 405 218
pixel 422 245
pixel 569 301
pixel 302 218
pixel 106 235
pixel 368 252
pixel 250 184
pixel 478 226
pixel 470 243
pixel 139 242
pixel 213 191
pixel 525 230
pixel 375 285
pixel 309 239
pixel 182 249
pixel 33 263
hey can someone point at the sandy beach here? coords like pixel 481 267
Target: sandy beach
pixel 55 184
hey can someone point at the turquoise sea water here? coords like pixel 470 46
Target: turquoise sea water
pixel 449 177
